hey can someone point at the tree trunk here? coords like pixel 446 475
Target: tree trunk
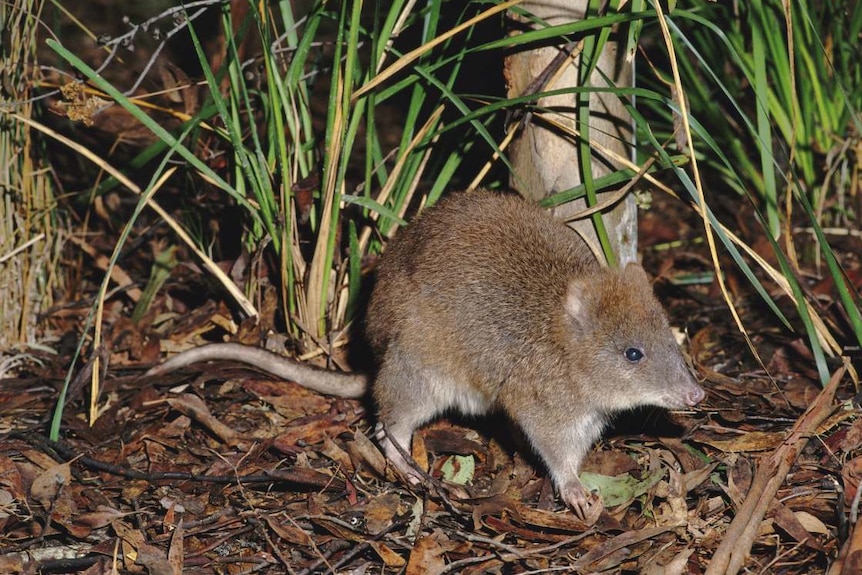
pixel 547 161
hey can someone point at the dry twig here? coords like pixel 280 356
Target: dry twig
pixel 730 556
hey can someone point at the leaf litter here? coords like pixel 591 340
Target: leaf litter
pixel 223 469
pixel 231 471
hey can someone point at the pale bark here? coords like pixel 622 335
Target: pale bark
pixel 546 162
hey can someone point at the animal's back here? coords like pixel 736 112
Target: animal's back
pixel 476 283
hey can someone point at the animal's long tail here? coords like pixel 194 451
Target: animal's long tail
pixel 314 378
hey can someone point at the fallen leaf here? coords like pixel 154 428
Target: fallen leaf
pixel 853 437
pixel 175 550
pixel 851 473
pixel 47 486
pixel 676 566
pixel 621 541
pixel 154 560
pixel 426 557
pixel 790 524
pixel 622 488
pixel 565 521
pixel 752 441
pixel 10 477
pixel 459 469
pixel 309 430
pixel 339 530
pixel 289 532
pixel 390 557
pixel 739 477
pixel 102 517
pixel 610 463
pixel 363 451
pixel 380 510
pixel 695 478
pixel 811 523
pixel 288 399
pixel 671 506
pixel 338 455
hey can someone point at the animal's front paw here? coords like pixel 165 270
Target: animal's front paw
pixel 587 505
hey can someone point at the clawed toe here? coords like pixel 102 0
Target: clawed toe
pixel 586 505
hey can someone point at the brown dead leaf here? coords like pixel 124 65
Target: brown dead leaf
pixel 11 481
pixel 390 557
pixel 102 517
pixel 739 478
pixel 194 407
pixel 789 523
pixel 443 437
pixel 380 510
pixel 426 558
pixel 339 530
pixel 853 438
pixel 169 520
pixel 676 566
pixel 610 463
pixel 290 533
pixel 695 478
pixel 565 521
pixel 363 451
pixel 688 460
pixel 175 551
pixel 48 485
pixel 64 511
pixel 128 534
pixel 811 523
pixel 309 430
pixel 672 507
pixel 800 392
pixel 793 360
pixel 338 455
pixel 128 342
pixel 303 194
pixel 153 558
pixel 621 541
pixel 748 442
pixel 851 473
pixel 503 524
pixel 37 458
pixel 289 400
pixel 307 476
pixel 420 451
pixel 135 548
pixel 8 507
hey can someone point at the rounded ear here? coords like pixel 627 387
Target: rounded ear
pixel 576 301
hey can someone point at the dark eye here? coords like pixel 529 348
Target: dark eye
pixel 633 354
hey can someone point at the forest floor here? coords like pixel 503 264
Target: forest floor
pixel 222 469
